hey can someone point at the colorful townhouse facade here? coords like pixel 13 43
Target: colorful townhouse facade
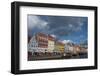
pixel 38 43
pixel 76 49
pixel 42 40
pixel 43 43
pixel 51 44
pixel 59 47
pixel 33 45
pixel 69 47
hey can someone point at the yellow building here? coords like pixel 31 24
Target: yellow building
pixel 56 49
pixel 59 47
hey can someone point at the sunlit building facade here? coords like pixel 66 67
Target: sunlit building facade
pixel 59 47
pixel 51 43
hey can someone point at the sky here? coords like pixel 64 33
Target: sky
pixel 64 28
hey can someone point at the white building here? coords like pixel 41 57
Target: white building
pixel 38 43
pixel 68 48
pixel 33 45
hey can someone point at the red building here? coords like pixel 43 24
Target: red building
pixel 42 40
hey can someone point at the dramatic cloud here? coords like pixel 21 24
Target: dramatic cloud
pixel 36 22
pixel 62 25
pixel 57 26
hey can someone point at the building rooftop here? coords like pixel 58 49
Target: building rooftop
pixel 51 38
pixel 41 34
